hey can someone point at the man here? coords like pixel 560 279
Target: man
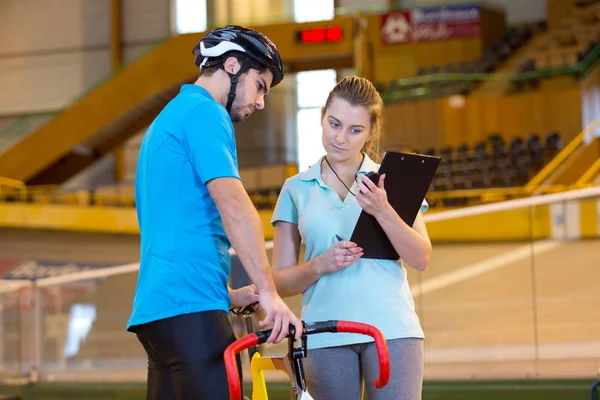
pixel 191 207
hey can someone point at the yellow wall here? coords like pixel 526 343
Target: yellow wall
pixel 557 11
pixel 82 218
pixel 589 210
pixel 500 226
pixel 417 123
pixel 435 122
pixel 505 225
pixel 514 115
pixel 70 218
pixel 243 11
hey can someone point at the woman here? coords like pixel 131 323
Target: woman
pixel 324 202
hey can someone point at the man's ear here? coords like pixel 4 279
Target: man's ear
pixel 231 65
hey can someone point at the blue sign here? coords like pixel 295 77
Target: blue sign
pixel 445 15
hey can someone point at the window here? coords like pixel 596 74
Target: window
pixel 190 16
pixel 310 146
pixel 313 87
pixel 313 10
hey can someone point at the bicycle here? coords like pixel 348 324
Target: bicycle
pixel 291 363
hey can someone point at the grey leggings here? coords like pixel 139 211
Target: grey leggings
pixel 337 373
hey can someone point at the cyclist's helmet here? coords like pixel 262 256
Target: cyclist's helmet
pixel 214 47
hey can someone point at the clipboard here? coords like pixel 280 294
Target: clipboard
pixel 407 180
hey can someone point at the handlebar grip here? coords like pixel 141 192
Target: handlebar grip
pixel 380 343
pixel 233 377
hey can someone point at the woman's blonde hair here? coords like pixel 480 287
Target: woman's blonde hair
pixel 361 92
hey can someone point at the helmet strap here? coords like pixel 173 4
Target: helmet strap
pixel 231 94
pixel 234 81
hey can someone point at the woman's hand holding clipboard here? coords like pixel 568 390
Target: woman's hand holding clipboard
pixel 371 196
pixel 407 180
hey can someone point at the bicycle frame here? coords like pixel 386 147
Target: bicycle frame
pixel 291 363
pixel 259 364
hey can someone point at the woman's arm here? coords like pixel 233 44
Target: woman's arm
pixel 292 278
pixel 412 244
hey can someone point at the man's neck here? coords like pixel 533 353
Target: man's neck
pixel 214 87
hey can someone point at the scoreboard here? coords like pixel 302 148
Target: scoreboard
pixel 317 35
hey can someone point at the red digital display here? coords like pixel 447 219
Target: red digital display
pixel 329 34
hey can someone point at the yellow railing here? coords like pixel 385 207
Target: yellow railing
pixel 589 176
pixel 12 190
pixel 453 198
pixel 560 158
pixel 10 187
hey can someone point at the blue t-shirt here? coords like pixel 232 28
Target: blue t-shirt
pixel 371 291
pixel 184 260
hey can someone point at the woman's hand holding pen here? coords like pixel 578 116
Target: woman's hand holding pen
pixel 339 256
pixel 243 296
pixel 372 198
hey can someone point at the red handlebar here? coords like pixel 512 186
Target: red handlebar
pixel 380 343
pixel 258 337
pixel 233 377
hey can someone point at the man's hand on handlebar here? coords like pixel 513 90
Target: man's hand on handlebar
pixel 279 316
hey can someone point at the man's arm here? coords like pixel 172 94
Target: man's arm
pixel 245 231
pixel 212 155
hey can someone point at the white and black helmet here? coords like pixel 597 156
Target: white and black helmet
pixel 214 47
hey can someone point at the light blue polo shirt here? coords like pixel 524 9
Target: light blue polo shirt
pixel 371 291
pixel 184 260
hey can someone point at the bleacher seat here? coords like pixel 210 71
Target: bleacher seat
pixel 491 58
pixel 566 45
pixel 552 145
pixel 493 163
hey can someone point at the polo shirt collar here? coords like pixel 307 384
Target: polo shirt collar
pixel 190 87
pixel 314 171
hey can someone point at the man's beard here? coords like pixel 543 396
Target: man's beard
pixel 236 115
pixel 236 112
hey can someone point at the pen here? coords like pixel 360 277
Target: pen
pixel 341 240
